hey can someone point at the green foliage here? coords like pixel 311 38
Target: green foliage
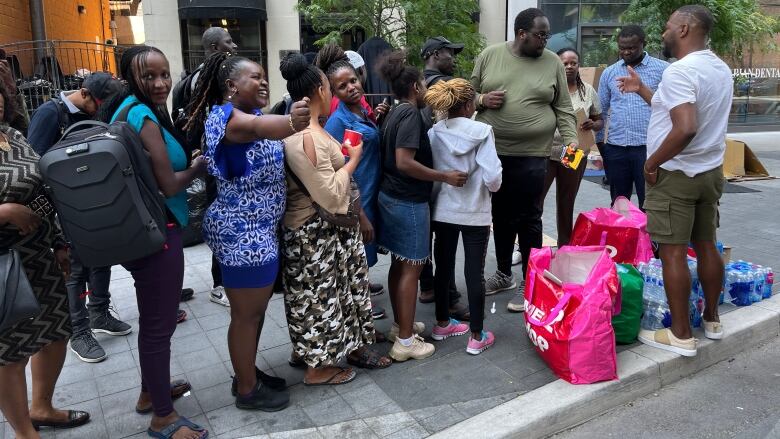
pixel 402 23
pixel 739 24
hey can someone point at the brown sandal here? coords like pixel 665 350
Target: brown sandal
pixel 178 389
pixel 368 359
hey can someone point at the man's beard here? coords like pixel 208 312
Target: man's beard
pixel 667 50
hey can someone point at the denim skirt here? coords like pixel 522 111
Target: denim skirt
pixel 404 229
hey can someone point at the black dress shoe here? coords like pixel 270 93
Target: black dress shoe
pixel 274 383
pixel 76 418
pixel 263 398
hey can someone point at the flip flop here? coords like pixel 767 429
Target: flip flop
pixel 178 389
pixel 171 429
pixel 76 418
pixel 181 315
pixel 330 382
pixel 187 294
pixel 369 359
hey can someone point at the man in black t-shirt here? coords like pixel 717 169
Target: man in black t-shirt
pixel 439 55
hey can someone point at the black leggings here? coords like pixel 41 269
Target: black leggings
pixel 517 209
pixel 475 244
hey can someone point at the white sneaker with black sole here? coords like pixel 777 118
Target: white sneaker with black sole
pixel 217 295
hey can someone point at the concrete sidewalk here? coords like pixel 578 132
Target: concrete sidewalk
pixel 411 400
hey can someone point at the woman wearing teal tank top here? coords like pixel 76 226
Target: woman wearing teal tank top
pixel 158 278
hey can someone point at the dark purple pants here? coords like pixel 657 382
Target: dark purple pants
pixel 158 281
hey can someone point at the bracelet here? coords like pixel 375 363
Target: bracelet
pixel 648 172
pixel 480 104
pixel 292 127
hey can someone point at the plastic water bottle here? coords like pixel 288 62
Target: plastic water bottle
pixel 759 277
pixel 768 281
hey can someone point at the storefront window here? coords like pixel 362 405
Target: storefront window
pixel 248 34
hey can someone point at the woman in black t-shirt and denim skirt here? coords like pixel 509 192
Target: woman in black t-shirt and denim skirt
pixel 404 197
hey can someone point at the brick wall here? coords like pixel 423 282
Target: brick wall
pixel 63 22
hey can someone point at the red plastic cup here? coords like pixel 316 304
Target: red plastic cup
pixel 353 137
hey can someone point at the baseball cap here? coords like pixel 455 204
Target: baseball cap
pixel 437 43
pixel 102 85
pixel 355 59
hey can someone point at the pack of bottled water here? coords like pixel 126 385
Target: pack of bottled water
pixel 656 313
pixel 746 283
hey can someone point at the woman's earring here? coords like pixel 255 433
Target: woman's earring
pixel 232 93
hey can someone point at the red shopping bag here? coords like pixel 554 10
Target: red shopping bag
pixel 621 228
pixel 570 323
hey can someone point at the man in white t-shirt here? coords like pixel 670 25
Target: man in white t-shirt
pixel 685 145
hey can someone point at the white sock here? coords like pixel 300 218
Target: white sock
pixel 406 341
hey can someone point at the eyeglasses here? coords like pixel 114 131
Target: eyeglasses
pixel 544 36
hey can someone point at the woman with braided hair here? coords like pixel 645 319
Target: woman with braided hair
pixel 158 277
pixel 461 144
pixel 246 156
pixel 567 181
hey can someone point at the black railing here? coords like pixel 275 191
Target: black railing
pixel 44 68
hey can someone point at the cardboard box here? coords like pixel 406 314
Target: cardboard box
pixel 741 164
pixel 591 75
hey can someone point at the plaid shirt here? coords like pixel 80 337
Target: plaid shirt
pixel 627 114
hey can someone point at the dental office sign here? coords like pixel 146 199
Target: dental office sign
pixel 761 72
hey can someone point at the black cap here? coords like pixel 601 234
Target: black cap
pixel 102 85
pixel 437 43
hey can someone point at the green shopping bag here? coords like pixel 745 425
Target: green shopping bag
pixel 626 324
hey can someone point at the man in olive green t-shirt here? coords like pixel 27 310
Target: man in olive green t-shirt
pixel 524 96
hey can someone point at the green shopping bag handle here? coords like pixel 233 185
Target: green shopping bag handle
pixel 553 314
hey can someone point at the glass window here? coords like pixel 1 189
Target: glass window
pixel 564 18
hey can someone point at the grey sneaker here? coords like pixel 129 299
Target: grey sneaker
pixel 87 348
pixel 108 324
pixel 499 282
pixel 218 295
pixel 517 304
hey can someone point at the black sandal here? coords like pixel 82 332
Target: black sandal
pixel 368 359
pixel 178 389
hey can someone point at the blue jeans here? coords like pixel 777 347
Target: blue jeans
pixel 626 170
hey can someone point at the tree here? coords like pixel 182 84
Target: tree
pixel 739 24
pixel 402 23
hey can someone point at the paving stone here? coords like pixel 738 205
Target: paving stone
pixel 117 382
pixel 304 396
pixel 348 430
pixel 414 431
pixel 198 359
pixel 95 428
pixel 477 406
pixel 370 400
pixel 309 433
pixel 209 376
pixel 388 424
pixel 74 393
pixel 214 321
pixel 189 343
pixel 330 411
pixel 435 419
pixel 187 327
pixel 114 363
pixel 214 397
pixel 229 418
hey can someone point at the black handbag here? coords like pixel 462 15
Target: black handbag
pixel 17 299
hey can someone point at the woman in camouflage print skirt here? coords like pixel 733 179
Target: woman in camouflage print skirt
pixel 325 270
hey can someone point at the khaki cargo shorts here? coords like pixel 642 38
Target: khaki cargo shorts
pixel 681 209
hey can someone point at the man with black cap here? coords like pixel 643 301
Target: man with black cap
pixel 439 55
pixel 47 125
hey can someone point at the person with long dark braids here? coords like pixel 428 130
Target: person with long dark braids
pixel 404 197
pixel 241 227
pixel 325 271
pixel 567 181
pixel 158 278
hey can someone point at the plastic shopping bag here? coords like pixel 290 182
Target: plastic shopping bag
pixel 626 324
pixel 571 296
pixel 621 228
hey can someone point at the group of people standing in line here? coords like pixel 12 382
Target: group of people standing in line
pixel 284 183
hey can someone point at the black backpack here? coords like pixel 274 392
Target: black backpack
pixel 181 96
pixel 108 202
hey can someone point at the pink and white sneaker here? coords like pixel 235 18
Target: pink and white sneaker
pixel 453 329
pixel 475 347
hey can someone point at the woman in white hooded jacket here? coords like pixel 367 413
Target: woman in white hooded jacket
pixel 461 144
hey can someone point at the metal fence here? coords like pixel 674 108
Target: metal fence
pixel 44 68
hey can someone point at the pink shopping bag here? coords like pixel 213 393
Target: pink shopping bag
pixel 570 324
pixel 622 228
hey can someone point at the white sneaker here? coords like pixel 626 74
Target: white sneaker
pixel 417 328
pixel 218 295
pixel 418 350
pixel 517 257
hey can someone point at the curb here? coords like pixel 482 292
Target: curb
pixel 641 370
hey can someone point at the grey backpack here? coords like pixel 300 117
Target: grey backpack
pixel 108 203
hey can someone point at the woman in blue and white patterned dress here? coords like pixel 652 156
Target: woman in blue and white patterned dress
pixel 241 227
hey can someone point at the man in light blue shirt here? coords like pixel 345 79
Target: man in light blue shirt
pixel 627 115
